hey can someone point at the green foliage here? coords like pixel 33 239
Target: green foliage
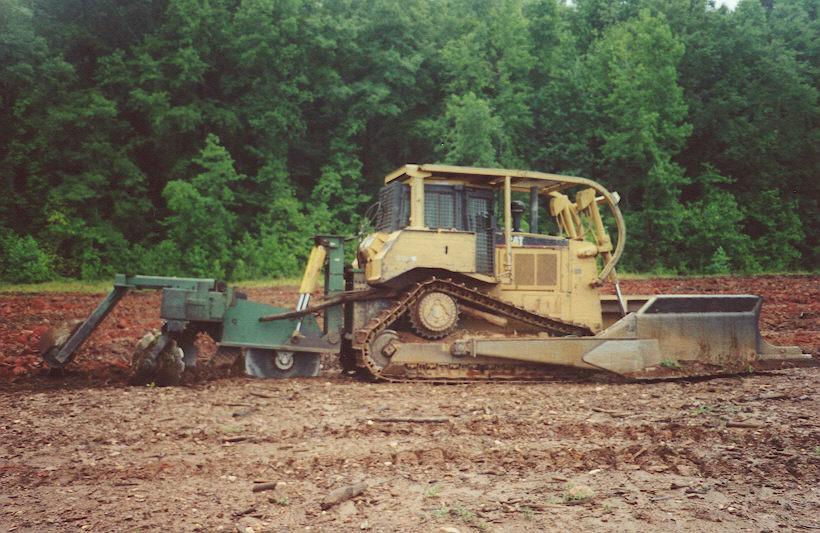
pixel 671 364
pixel 774 224
pixel 715 242
pixel 719 264
pixel 471 134
pixel 201 224
pixel 23 261
pixel 189 138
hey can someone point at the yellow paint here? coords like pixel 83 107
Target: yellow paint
pixel 314 267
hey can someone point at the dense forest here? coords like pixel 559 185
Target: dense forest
pixel 214 137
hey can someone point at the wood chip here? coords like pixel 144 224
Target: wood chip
pixel 249 510
pixel 618 414
pixel 343 494
pixel 432 420
pixel 744 425
pixel 639 453
pixel 259 487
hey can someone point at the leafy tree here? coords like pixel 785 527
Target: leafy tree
pixel 471 134
pixel 202 224
pixel 22 260
pixel 641 126
pixel 714 240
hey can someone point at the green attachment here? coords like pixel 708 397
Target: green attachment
pixel 242 329
pixel 198 306
pixel 334 281
pixel 160 282
pixel 186 299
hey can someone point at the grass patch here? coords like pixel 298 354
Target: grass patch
pixel 670 363
pixel 264 283
pixel 674 275
pixel 576 493
pixel 282 500
pixel 701 409
pixel 68 285
pixel 433 491
pixel 105 285
pixel 462 513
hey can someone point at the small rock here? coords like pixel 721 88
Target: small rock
pixel 250 524
pixel 434 456
pixel 449 529
pixel 579 492
pixel 685 470
pixel 347 509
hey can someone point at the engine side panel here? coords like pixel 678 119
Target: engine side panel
pixel 410 249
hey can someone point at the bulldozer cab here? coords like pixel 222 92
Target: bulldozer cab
pixel 500 212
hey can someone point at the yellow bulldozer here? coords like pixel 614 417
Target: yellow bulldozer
pixel 467 274
pixel 464 279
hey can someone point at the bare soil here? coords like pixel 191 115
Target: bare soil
pixel 84 451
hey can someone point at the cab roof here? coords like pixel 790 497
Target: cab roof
pixel 521 180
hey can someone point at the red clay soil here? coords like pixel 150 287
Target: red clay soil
pixel 85 452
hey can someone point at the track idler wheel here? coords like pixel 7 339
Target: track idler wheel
pixel 434 315
pixel 379 352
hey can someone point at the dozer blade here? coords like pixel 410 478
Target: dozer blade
pixel 706 334
pixel 669 336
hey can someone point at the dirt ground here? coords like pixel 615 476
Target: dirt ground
pixel 84 451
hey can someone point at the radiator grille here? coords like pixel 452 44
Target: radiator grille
pixel 547 269
pixel 524 265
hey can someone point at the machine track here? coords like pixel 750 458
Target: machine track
pixel 364 337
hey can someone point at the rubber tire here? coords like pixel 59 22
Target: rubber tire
pixel 259 364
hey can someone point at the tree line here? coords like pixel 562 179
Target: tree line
pixel 214 137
